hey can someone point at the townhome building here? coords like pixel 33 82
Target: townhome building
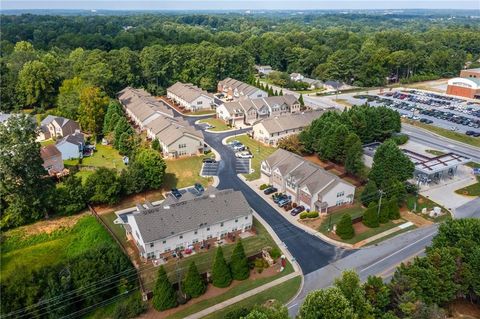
pixel 175 225
pixel 263 69
pixel 271 130
pixel 56 127
pixel 249 111
pixel 190 96
pixel 177 137
pixel 234 89
pixel 141 107
pixel 307 183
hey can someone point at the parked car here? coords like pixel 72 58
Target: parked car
pixel 208 126
pixel 279 197
pixel 209 160
pixel 284 201
pixel 297 210
pixel 199 188
pixel 469 133
pixel 238 147
pixel 270 190
pixel 176 193
pixel 244 154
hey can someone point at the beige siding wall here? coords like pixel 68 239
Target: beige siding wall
pixel 186 145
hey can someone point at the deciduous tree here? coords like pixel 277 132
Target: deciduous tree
pixel 93 104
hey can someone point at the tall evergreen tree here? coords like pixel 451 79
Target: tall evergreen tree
pixel 370 217
pixel 393 209
pixel 281 92
pixel 221 276
pixel 300 99
pixel 239 262
pixel 345 227
pixel 369 194
pixel 164 296
pixel 194 286
pixel 390 162
pixel 353 154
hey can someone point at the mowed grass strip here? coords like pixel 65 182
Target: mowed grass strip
pixel 218 124
pixel 185 172
pixel 259 150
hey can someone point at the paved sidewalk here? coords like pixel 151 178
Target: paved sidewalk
pixel 383 234
pixel 241 297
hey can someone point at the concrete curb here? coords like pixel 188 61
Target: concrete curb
pixel 224 141
pixel 197 122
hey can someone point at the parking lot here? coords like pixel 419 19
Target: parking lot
pixel 210 169
pixel 242 165
pixel 431 108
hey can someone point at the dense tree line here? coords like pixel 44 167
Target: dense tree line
pixel 339 137
pixel 419 289
pixel 156 50
pixel 62 289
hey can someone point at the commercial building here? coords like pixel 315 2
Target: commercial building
pixel 190 96
pixel 234 90
pixel 467 85
pixel 249 111
pixel 271 130
pixel 175 225
pixel 307 183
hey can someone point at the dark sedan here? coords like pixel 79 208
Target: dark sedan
pixel 270 190
pixel 297 210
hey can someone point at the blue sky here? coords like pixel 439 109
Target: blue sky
pixel 474 5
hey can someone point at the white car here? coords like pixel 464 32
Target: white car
pixel 244 154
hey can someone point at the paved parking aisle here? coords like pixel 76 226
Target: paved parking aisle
pixel 242 165
pixel 210 169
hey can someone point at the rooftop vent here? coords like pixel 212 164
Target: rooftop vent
pixel 166 207
pixel 211 195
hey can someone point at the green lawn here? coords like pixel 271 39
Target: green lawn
pixel 244 286
pixel 282 293
pixel 218 123
pixel 202 112
pixel 355 212
pixel 472 190
pixel 184 172
pixel 104 156
pixel 475 141
pixel 118 230
pixel 260 152
pixel 47 142
pixel 42 249
pixel 424 202
pixel 435 152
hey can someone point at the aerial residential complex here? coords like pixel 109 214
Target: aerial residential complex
pixel 190 222
pixel 271 130
pixel 190 96
pixel 307 183
pixel 176 137
pixel 234 90
pixel 249 111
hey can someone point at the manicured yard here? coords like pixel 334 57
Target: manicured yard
pixel 424 202
pixel 218 124
pixel 472 190
pixel 104 156
pixel 184 172
pixel 282 293
pixel 244 286
pixel 260 152
pixel 118 230
pixel 32 248
pixel 475 141
pixel 202 112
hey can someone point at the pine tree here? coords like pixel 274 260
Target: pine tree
pixel 393 210
pixel 345 227
pixel 221 276
pixel 281 92
pixel 194 286
pixel 370 217
pixel 370 193
pixel 164 296
pixel 275 93
pixel 239 262
pixel 300 99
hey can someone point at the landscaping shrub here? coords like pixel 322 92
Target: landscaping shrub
pixel 312 214
pixel 130 308
pixel 303 215
pixel 400 139
pixel 194 286
pixel 294 205
pixel 275 252
pixel 393 209
pixel 237 313
pixel 221 276
pixel 370 217
pixel 263 186
pixel 384 213
pixel 345 227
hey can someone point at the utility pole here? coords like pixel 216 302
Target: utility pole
pixel 381 192
pixel 416 195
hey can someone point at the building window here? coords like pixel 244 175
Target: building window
pixel 209 237
pixel 164 242
pixel 181 237
pixel 208 228
pixel 236 220
pixel 195 232
pixel 182 145
pixel 166 250
pixel 199 102
pixel 246 217
pixel 340 194
pixel 151 245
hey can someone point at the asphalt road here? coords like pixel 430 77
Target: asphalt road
pixel 436 141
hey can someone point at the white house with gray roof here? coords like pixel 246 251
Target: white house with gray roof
pixel 71 146
pixel 307 183
pixel 190 96
pixel 175 225
pixel 235 89
pixel 271 130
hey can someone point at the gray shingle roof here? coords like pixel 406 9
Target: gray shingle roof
pixel 289 122
pixel 242 88
pixel 169 130
pixel 76 138
pixel 245 104
pixel 188 91
pixel 142 104
pixel 166 221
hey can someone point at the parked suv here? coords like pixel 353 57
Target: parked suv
pixel 284 201
pixel 209 160
pixel 176 193
pixel 199 188
pixel 297 210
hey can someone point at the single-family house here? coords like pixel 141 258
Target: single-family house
pixel 263 69
pixel 175 225
pixel 141 107
pixel 176 137
pixel 57 127
pixel 307 183
pixel 52 159
pixel 71 146
pixel 271 130
pixel 250 111
pixel 333 85
pixel 233 90
pixel 190 96
pixel 297 77
pixel 312 83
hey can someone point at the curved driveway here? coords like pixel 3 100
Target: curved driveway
pixel 310 252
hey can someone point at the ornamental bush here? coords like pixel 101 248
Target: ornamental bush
pixel 370 217
pixel 313 214
pixel 345 227
pixel 303 215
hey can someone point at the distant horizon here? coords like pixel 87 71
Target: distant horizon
pixel 232 5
